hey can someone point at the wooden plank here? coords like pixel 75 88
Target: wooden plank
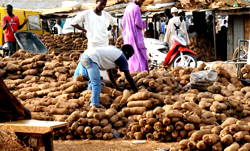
pixel 230 48
pixel 214 35
pixel 238 30
pixel 247 27
pixel 32 126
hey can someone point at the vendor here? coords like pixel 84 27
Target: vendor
pixel 96 23
pixel 11 24
pixel 176 27
pixel 104 58
pixel 57 28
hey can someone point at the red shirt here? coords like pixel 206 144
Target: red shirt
pixel 9 33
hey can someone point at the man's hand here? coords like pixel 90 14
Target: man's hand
pixel 84 31
pixel 135 90
pixel 112 79
pixel 25 21
pixel 21 26
pixel 119 89
pixel 130 81
pixel 6 24
pixel 79 28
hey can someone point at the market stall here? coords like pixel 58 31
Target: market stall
pixel 203 108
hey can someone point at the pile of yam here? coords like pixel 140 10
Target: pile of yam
pixel 202 47
pixel 64 42
pixel 231 135
pixel 162 110
pixel 198 4
pixel 9 141
pixel 246 71
pixel 24 67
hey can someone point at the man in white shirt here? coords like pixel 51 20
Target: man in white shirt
pixel 96 23
pixel 105 58
pixel 57 27
pixel 175 27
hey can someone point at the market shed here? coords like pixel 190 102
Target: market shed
pixel 238 26
pixel 63 12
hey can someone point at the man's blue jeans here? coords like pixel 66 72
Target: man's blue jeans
pixel 94 79
pixel 11 48
pixel 80 70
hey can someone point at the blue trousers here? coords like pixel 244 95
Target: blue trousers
pixel 93 73
pixel 11 48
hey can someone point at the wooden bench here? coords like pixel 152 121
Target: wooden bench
pixel 42 130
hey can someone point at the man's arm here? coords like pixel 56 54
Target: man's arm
pixel 138 20
pixel 168 31
pixel 122 63
pixel 5 23
pixel 113 31
pixel 79 27
pixel 184 27
pixel 114 28
pixel 112 22
pixel 21 26
pixel 79 19
pixel 130 81
pixel 5 26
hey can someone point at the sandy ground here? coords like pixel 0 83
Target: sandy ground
pixel 112 145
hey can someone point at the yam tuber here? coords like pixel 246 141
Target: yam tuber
pixel 233 147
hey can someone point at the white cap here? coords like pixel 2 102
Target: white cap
pixel 179 11
pixel 174 10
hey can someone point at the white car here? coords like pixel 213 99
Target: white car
pixel 156 50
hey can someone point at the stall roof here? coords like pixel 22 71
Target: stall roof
pixel 233 11
pixel 117 7
pixel 70 11
pixel 64 10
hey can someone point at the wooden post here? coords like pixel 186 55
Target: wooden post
pixel 155 27
pixel 117 29
pixel 48 142
pixel 214 35
pixel 230 37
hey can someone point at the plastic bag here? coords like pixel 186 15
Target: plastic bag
pixel 203 76
pixel 202 79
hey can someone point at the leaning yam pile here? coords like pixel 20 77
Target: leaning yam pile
pixel 231 135
pixel 23 67
pixel 10 142
pixel 162 110
pixel 167 123
pixel 202 47
pixel 246 71
pixel 65 42
pixel 186 4
pixel 94 124
pixel 179 115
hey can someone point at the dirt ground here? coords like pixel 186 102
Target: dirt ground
pixel 112 145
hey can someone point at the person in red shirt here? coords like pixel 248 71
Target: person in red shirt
pixel 11 24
